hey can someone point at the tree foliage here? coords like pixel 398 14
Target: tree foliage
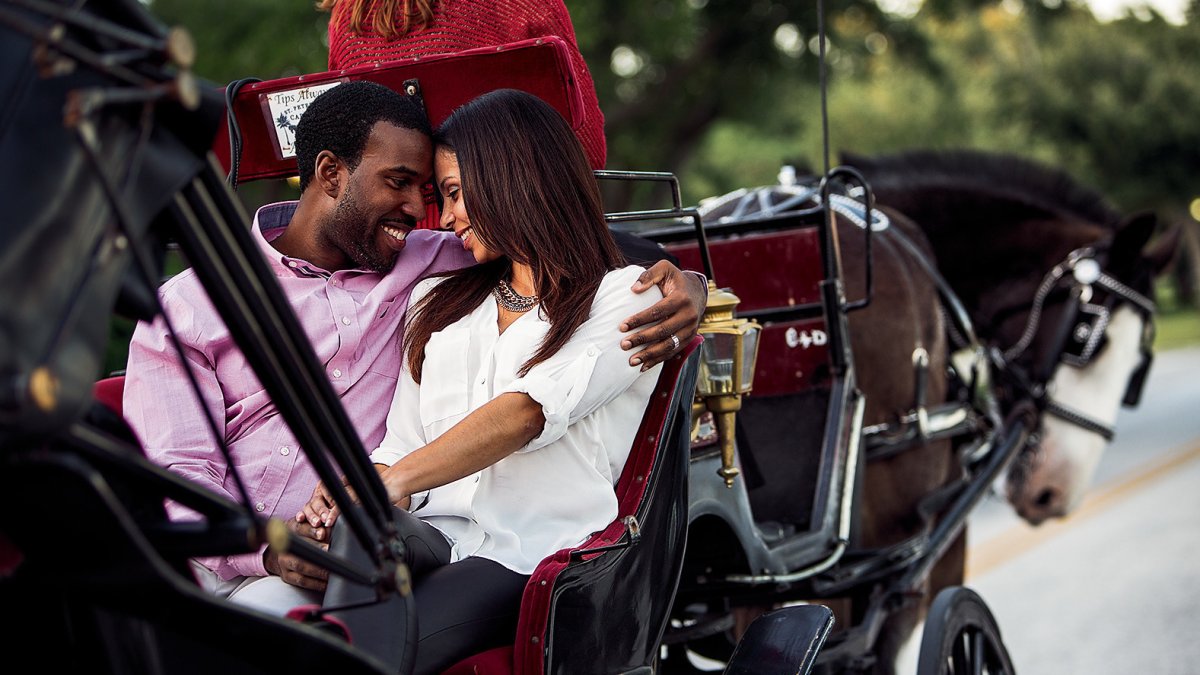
pixel 725 91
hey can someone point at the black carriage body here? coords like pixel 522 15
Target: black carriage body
pixel 788 514
pixel 106 140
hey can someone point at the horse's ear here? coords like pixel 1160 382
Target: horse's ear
pixel 1160 252
pixel 1131 236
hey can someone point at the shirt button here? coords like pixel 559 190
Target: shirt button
pixel 337 372
pixel 337 282
pixel 591 351
pixel 260 507
pixel 345 321
pixel 293 264
pixel 285 451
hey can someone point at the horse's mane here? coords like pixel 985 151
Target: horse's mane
pixel 989 176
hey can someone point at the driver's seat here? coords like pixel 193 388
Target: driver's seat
pixel 602 606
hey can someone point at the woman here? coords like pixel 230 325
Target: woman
pixel 526 407
pixel 373 31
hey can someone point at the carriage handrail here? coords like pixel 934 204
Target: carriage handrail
pixel 832 252
pixel 676 211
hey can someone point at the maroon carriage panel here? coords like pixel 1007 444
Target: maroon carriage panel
pixel 774 270
pixel 266 111
pixel 792 356
pixel 767 271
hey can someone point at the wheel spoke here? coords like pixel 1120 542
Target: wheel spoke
pixel 978 652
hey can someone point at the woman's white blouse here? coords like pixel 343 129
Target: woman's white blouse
pixel 558 489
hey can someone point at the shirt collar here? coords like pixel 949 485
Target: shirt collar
pixel 269 222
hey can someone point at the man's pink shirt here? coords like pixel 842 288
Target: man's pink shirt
pixel 355 321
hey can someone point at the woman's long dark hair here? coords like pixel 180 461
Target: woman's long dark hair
pixel 532 198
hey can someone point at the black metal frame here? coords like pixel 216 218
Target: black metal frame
pixel 141 78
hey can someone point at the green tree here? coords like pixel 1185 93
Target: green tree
pixel 266 39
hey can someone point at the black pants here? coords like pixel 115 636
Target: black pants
pixel 462 608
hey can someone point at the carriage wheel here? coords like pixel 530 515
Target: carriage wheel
pixel 961 637
pixel 705 628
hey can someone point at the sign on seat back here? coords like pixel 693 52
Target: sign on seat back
pixel 266 112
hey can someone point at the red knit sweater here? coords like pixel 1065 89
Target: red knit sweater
pixel 459 25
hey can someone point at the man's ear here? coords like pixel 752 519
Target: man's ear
pixel 327 173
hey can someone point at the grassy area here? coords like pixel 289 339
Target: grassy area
pixel 1177 326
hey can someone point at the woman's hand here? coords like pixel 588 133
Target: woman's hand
pixel 321 510
pixel 678 314
pixel 393 483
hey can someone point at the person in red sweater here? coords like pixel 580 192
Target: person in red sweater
pixel 372 31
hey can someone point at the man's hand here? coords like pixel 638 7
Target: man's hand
pixel 293 570
pixel 678 314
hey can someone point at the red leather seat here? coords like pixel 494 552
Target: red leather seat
pixel 109 391
pixel 603 606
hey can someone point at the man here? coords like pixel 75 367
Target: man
pixel 346 256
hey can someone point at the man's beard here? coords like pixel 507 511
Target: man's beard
pixel 352 232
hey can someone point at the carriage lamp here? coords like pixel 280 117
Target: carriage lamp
pixel 727 359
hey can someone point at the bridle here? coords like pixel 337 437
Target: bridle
pixel 1093 296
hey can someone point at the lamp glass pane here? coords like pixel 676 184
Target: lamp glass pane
pixel 749 354
pixel 716 364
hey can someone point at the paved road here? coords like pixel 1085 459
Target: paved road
pixel 1115 588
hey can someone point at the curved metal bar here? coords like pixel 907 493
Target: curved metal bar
pixel 677 210
pixel 869 208
pixel 845 509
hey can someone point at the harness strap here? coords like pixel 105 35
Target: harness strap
pixel 1052 407
pixel 960 319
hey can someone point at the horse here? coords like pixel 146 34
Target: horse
pixel 1056 281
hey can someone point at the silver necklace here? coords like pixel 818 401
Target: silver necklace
pixel 512 300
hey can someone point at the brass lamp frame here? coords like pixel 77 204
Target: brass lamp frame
pixel 719 319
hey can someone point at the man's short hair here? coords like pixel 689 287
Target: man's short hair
pixel 340 121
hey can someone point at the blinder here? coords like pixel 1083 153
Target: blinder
pixel 1082 333
pixel 1133 393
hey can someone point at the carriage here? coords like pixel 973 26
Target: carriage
pixel 747 488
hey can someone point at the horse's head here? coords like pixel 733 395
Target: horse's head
pixel 1088 340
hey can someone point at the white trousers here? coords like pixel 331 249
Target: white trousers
pixel 269 594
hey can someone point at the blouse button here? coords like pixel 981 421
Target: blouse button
pixel 337 372
pixel 285 451
pixel 260 507
pixel 591 351
pixel 293 264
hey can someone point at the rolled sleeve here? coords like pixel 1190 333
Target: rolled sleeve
pixel 561 393
pixel 591 369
